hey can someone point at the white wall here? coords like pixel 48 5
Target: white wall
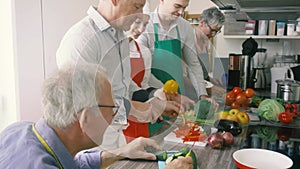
pixel 57 19
pixel 8 111
pixel 29 53
pixel 28 47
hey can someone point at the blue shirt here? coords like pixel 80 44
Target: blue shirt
pixel 21 149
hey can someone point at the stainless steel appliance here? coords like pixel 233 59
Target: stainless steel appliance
pixel 257 77
pixel 288 90
pixel 238 71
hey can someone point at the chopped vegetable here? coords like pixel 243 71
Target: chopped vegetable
pixel 270 109
pixel 161 155
pixel 184 152
pixel 194 134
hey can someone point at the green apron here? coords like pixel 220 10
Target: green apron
pixel 166 61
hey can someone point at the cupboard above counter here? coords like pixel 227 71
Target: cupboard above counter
pixel 262 9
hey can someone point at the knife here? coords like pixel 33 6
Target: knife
pixel 189 153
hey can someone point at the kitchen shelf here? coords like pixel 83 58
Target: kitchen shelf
pixel 259 37
pixel 192 18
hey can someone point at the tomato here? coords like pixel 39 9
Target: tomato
pixel 235 105
pixel 287 106
pixel 249 93
pixel 295 108
pixel 246 103
pixel 241 98
pixel 284 117
pixel 230 98
pixel 237 90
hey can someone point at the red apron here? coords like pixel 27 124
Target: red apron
pixel 136 128
pixel 137 67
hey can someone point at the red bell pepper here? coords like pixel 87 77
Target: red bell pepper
pixel 285 117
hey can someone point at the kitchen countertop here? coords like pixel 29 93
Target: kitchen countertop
pixel 220 159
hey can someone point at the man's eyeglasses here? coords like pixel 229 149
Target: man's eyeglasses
pixel 114 107
pixel 213 31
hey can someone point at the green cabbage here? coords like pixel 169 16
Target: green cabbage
pixel 270 109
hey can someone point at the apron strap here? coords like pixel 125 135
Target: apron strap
pixel 178 34
pixel 138 48
pixel 155 32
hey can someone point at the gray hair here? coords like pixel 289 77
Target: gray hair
pixel 69 90
pixel 213 16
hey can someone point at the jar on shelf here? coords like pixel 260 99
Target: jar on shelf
pixel 250 27
pixel 272 27
pixel 280 28
pixel 291 28
pixel 298 26
pixel 262 27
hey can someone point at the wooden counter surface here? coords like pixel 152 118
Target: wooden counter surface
pixel 207 157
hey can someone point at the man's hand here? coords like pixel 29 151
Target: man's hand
pixel 179 163
pixel 181 99
pixel 153 109
pixel 133 150
pixel 169 108
pixel 216 91
pixel 136 149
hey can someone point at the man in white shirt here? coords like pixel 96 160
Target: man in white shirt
pixel 99 38
pixel 167 25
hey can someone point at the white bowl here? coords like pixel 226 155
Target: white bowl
pixel 261 159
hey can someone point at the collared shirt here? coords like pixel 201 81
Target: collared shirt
pixel 94 40
pixel 187 46
pixel 21 149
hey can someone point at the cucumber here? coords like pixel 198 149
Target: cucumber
pixel 178 154
pixel 169 159
pixel 161 155
pixel 193 156
pixel 184 150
